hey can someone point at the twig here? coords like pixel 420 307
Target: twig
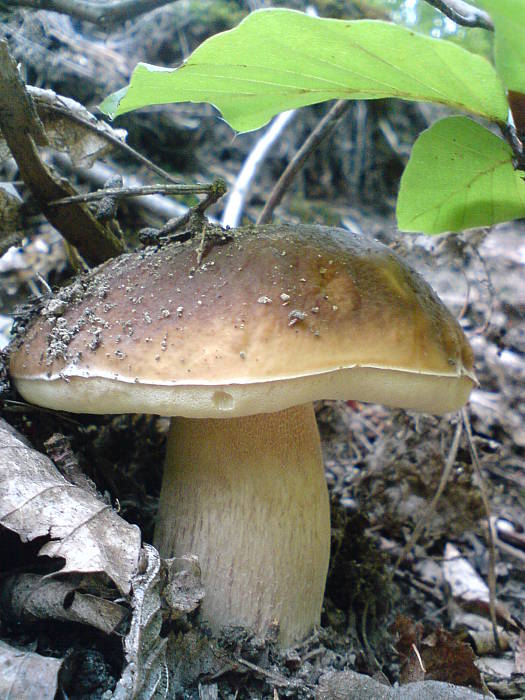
pixel 121 192
pixel 464 14
pixel 23 131
pixel 276 678
pixel 215 191
pixel 321 131
pixel 410 580
pixel 509 549
pixel 160 207
pixel 235 204
pixel 105 14
pixel 422 522
pixel 491 531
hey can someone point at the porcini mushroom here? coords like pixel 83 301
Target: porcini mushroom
pixel 238 348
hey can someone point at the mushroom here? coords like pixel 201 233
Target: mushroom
pixel 237 349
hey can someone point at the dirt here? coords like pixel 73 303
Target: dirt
pixel 383 467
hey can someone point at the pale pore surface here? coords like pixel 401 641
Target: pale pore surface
pixel 403 389
pixel 249 497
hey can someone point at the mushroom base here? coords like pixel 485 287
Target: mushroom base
pixel 248 496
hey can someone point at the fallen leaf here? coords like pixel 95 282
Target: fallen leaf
pixel 438 657
pixel 31 598
pixel 25 675
pixel 146 675
pixel 447 659
pixel 37 501
pixel 468 588
pixel 71 128
pixel 183 589
pixel 465 583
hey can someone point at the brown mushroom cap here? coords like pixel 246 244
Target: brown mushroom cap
pixel 275 316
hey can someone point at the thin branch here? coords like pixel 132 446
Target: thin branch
pixel 321 131
pixel 149 236
pixel 105 14
pixel 423 522
pixel 23 131
pixel 160 207
pixel 122 192
pixel 491 529
pixel 464 14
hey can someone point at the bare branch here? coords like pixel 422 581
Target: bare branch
pixel 464 14
pixel 22 131
pixel 121 192
pixel 321 131
pixel 105 14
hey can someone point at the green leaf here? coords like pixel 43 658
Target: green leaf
pixel 509 23
pixel 280 59
pixel 459 175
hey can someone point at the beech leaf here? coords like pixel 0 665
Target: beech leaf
pixel 509 48
pixel 72 129
pixel 37 501
pixel 459 175
pixel 279 59
pixel 25 675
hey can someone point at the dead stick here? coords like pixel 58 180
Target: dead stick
pixel 462 13
pixel 23 132
pixel 105 14
pixel 121 192
pixel 321 131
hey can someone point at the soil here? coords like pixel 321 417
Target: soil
pixel 383 466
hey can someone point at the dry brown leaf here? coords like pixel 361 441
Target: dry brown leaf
pixel 25 675
pixel 37 501
pixel 183 590
pixel 146 674
pixel 30 598
pixel 65 133
pixel 84 145
pixel 447 659
pixel 438 657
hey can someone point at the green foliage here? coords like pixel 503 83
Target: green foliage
pixel 282 59
pixel 509 22
pixel 460 175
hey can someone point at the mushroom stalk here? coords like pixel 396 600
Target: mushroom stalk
pixel 248 496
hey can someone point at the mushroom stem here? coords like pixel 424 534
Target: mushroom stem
pixel 248 496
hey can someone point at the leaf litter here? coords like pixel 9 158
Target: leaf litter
pixel 83 530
